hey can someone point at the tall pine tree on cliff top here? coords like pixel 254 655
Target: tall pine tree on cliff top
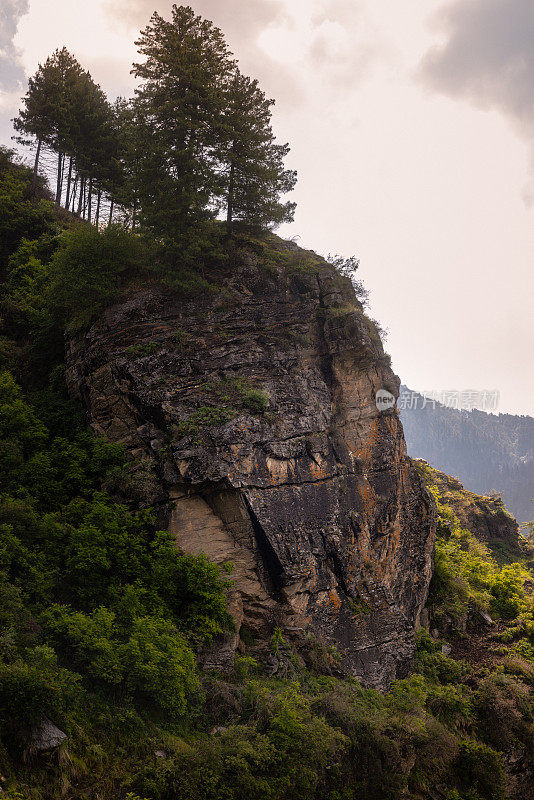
pixel 67 112
pixel 180 105
pixel 253 164
pixel 207 141
pixel 48 106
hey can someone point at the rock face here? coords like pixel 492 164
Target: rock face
pixel 251 416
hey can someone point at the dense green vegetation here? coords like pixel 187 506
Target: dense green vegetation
pixel 195 142
pixel 102 620
pixel 97 606
pixel 468 579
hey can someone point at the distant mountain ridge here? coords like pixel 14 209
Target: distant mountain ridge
pixel 487 452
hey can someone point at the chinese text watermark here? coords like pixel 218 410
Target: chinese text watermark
pixel 460 399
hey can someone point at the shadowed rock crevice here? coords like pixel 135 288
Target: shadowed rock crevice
pixel 273 568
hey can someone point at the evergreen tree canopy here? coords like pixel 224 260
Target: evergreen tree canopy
pixel 205 131
pixel 180 108
pixel 48 105
pixel 49 108
pixel 195 142
pixel 252 164
pixel 66 111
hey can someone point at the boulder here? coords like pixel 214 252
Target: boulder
pixel 46 736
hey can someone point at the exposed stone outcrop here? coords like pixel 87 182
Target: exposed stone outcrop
pixel 485 516
pixel 251 415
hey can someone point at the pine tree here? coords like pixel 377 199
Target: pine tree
pixel 252 164
pixel 47 111
pixel 110 169
pixel 197 138
pixel 66 111
pixel 93 139
pixel 130 149
pixel 180 106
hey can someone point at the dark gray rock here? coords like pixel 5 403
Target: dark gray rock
pixel 46 736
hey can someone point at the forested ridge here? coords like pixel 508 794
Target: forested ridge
pixel 103 621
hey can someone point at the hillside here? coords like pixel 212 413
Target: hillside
pixel 487 452
pixel 208 394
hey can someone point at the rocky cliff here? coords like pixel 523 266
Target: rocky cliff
pixel 250 417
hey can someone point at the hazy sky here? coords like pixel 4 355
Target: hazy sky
pixel 412 128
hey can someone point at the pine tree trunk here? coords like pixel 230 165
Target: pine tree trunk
pixel 69 177
pixel 74 193
pixel 80 199
pixel 36 166
pixel 134 209
pixel 90 198
pixel 230 209
pixel 97 215
pixel 111 212
pixel 59 185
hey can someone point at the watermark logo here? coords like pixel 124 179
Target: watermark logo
pixel 384 400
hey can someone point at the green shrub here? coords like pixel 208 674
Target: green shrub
pixel 33 688
pixel 408 695
pixel 87 269
pixel 205 417
pixel 466 574
pixel 243 666
pixel 160 664
pixel 431 663
pixel 180 336
pixel 479 767
pixel 24 305
pixel 508 597
pixel 25 695
pixel 359 606
pixel 256 401
pixel 451 705
pixel 142 349
pixel 502 706
pixel 88 641
pixel 149 656
pixel 20 218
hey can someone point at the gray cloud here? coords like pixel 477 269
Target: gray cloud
pixel 11 70
pixel 488 57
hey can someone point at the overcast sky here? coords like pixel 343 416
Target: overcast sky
pixel 412 128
